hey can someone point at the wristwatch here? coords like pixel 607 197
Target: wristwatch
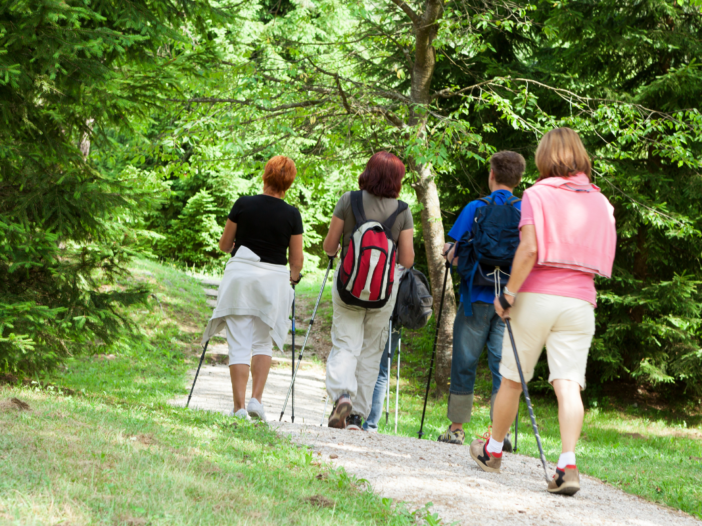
pixel 508 292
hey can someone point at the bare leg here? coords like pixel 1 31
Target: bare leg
pixel 570 413
pixel 260 365
pixel 240 376
pixel 505 410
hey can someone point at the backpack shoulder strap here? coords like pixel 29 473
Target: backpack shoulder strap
pixel 390 221
pixel 357 206
pixel 513 200
pixel 487 200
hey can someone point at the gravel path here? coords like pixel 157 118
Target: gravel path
pixel 421 471
pixel 213 390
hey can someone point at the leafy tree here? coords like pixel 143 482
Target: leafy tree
pixel 444 84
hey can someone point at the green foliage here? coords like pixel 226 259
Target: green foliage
pixel 193 237
pixel 70 73
pixel 329 83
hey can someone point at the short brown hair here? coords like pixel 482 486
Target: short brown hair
pixel 508 167
pixel 279 173
pixel 561 154
pixel 383 175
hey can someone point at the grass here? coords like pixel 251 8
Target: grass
pixel 108 449
pixel 81 460
pixel 653 453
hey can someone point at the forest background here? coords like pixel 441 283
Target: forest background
pixel 129 129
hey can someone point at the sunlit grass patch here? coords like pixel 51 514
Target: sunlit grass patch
pixel 81 460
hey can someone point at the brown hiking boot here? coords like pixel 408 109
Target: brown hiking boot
pixel 565 481
pixel 341 410
pixel 486 461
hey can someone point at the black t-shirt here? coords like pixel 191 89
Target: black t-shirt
pixel 264 225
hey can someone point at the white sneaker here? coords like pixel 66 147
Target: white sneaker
pixel 241 413
pixel 255 409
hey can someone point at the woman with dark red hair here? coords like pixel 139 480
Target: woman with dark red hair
pixel 377 232
pixel 262 233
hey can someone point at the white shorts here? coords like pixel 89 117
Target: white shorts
pixel 564 325
pixel 247 336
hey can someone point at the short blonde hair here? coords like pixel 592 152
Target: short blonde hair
pixel 279 173
pixel 561 154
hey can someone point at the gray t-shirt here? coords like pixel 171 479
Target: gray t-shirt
pixel 377 208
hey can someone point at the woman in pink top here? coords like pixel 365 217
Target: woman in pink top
pixel 567 236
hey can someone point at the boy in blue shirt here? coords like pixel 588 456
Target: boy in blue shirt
pixel 472 333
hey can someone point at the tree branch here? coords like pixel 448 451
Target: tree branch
pixel 408 11
pixel 343 95
pixel 211 100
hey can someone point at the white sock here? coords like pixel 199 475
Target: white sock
pixel 566 459
pixel 493 446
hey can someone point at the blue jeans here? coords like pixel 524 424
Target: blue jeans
pixel 470 335
pixel 381 385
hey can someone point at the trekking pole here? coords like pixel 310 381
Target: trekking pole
pixel 397 386
pixel 516 431
pixel 202 357
pixel 302 350
pixel 433 352
pixel 389 344
pixel 292 371
pixel 528 400
pixel 326 399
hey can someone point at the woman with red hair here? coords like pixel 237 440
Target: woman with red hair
pixel 359 333
pixel 255 296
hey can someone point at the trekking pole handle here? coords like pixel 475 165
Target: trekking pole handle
pixel 449 264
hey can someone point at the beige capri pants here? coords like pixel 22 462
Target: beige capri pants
pixel 564 325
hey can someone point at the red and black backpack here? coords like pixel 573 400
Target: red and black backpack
pixel 367 270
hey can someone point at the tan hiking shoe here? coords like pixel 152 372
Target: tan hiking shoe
pixel 565 481
pixel 457 436
pixel 486 461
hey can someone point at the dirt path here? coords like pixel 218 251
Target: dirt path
pixel 213 390
pixel 421 471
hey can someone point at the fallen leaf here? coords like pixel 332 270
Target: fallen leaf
pixel 321 501
pixel 19 404
pixel 636 435
pixel 333 456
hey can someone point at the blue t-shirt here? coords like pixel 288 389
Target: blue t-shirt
pixel 464 224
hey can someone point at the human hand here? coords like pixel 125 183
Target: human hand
pixel 500 310
pixel 333 255
pixel 446 249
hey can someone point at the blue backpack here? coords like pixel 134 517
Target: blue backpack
pixel 486 252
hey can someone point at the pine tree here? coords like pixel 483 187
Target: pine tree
pixel 69 70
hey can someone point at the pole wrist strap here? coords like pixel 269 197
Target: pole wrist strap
pixel 503 302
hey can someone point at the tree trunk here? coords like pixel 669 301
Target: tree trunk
pixel 84 145
pixel 433 230
pixel 426 28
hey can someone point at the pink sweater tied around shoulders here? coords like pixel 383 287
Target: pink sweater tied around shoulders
pixel 574 224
